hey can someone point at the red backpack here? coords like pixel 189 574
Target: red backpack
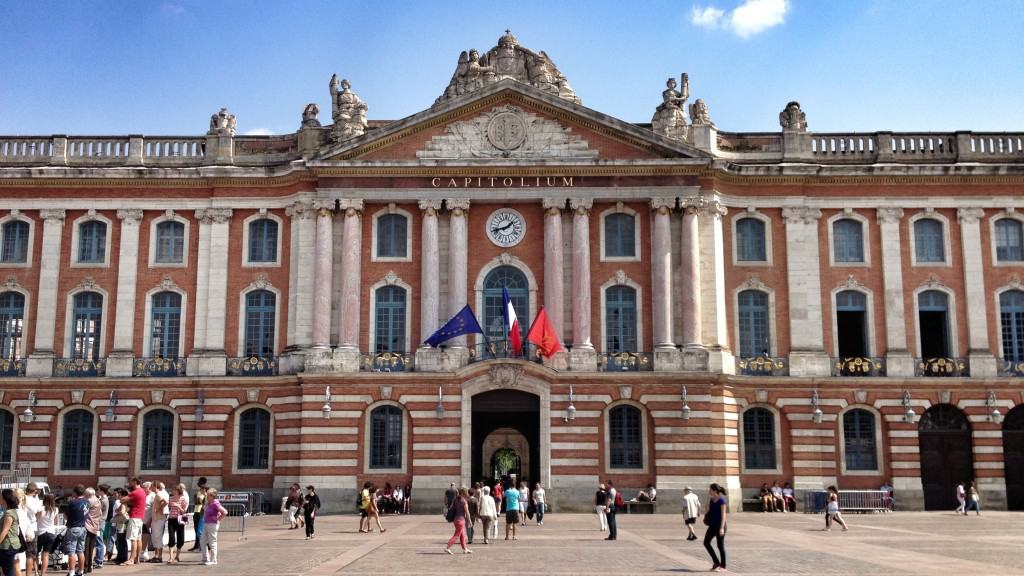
pixel 618 500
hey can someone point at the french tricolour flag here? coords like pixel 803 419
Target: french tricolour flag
pixel 513 324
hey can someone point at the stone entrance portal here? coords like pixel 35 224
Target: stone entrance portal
pixel 506 422
pixel 505 451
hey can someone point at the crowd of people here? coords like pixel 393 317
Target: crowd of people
pixel 777 498
pixel 484 502
pixel 123 525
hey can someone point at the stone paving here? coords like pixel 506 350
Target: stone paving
pixel 901 543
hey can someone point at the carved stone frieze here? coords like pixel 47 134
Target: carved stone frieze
pixel 506 375
pixel 851 283
pixel 301 210
pixel 351 206
pixel 168 283
pixel 11 283
pixel 87 283
pixel 130 215
pixel 970 215
pixel 753 282
pixel 663 205
pixel 430 207
pixel 261 282
pixel 52 214
pixel 214 215
pixel 620 277
pixel 800 215
pixel 581 205
pixel 458 206
pixel 888 215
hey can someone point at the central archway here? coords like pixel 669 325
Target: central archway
pixel 508 414
pixel 944 437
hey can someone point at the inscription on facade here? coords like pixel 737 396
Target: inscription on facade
pixel 506 182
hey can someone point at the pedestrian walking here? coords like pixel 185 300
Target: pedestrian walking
pixel 524 502
pixel 46 528
pixel 93 524
pixel 488 512
pixel 74 538
pixel 459 514
pixel 373 512
pixel 32 506
pixel 499 500
pixel 715 520
pixel 973 499
pixel 212 516
pixel 364 507
pixel 600 507
pixel 10 542
pixel 310 508
pixel 691 509
pixel 177 519
pixel 511 510
pixel 961 498
pixel 121 523
pixel 832 510
pixel 198 503
pixel 538 503
pixel 612 504
pixel 295 506
pixel 474 513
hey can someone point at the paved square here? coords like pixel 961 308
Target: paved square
pixel 901 543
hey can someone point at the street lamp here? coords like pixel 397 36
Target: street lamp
pixel 995 415
pixel 908 414
pixel 570 412
pixel 440 405
pixel 686 407
pixel 327 404
pixel 111 404
pixel 200 410
pixel 817 415
pixel 29 416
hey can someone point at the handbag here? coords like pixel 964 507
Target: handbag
pixel 21 539
pixel 449 515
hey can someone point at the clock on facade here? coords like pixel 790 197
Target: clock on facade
pixel 506 227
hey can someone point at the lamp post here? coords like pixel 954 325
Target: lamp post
pixel 29 416
pixel 111 405
pixel 994 414
pixel 908 414
pixel 440 405
pixel 327 404
pixel 686 407
pixel 817 415
pixel 200 409
pixel 570 412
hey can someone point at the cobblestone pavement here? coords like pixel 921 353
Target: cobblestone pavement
pixel 901 543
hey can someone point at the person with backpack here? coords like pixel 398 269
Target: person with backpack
pixel 363 503
pixel 10 542
pixel 614 502
pixel 310 506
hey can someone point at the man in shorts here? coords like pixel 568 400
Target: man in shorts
pixel 691 509
pixel 511 510
pixel 364 507
pixel 74 539
pixel 136 502
pixel 33 506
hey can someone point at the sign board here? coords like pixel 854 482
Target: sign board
pixel 237 497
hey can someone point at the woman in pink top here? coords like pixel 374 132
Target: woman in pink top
pixel 177 519
pixel 211 524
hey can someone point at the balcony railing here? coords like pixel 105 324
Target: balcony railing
pixel 79 368
pixel 858 366
pixel 762 366
pixel 942 367
pixel 252 366
pixel 9 367
pixel 625 362
pixel 1014 368
pixel 499 349
pixel 386 362
pixel 158 367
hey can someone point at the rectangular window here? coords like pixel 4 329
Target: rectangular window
pixel 620 236
pixel 848 238
pixel 170 243
pixel 15 243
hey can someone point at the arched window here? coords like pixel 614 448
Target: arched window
pixel 759 439
pixel 92 242
pixel 851 324
pixel 1011 315
pixel 625 437
pixel 157 440
pixel 753 324
pixel 12 321
pixel 1009 240
pixel 88 325
pixel 928 242
pixel 392 236
pixel 76 452
pixel 165 325
pixel 170 243
pixel 263 240
pixel 933 323
pixel 6 436
pixel 859 439
pixel 390 319
pixel 620 236
pixel 14 249
pixel 386 437
pixel 260 308
pixel 620 319
pixel 848 240
pixel 254 439
pixel 750 240
pixel 494 308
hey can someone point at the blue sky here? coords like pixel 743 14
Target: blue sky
pixel 162 67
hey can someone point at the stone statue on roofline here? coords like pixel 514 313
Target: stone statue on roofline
pixel 348 111
pixel 670 117
pixel 222 123
pixel 792 118
pixel 309 116
pixel 699 114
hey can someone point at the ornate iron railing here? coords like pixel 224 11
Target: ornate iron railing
pixel 12 367
pixel 625 362
pixel 158 367
pixel 252 366
pixel 762 366
pixel 79 368
pixel 1012 368
pixel 942 367
pixel 499 349
pixel 858 366
pixel 386 362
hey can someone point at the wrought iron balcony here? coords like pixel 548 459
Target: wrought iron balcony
pixel 625 362
pixel 499 349
pixel 1013 368
pixel 79 368
pixel 762 366
pixel 386 362
pixel 942 367
pixel 252 366
pixel 158 367
pixel 858 366
pixel 12 367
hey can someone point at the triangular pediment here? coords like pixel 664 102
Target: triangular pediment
pixel 509 121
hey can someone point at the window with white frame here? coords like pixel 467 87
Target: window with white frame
pixel 392 236
pixel 170 242
pixel 620 235
pixel 254 439
pixel 260 315
pixel 390 319
pixel 755 337
pixel 859 440
pixel 848 240
pixel 263 241
pixel 933 323
pixel 165 325
pixel 87 325
pixel 1009 240
pixel 157 440
pixel 625 437
pixel 12 322
pixel 6 436
pixel 759 439
pixel 929 242
pixel 76 449
pixel 14 249
pixel 386 437
pixel 620 319
pixel 750 240
pixel 92 242
pixel 1011 319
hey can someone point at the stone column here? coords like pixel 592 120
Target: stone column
pixel 983 362
pixel 714 323
pixel 323 274
pixel 582 356
pixel 347 355
pixel 690 276
pixel 119 363
pixel 666 356
pixel 898 361
pixel 554 271
pixel 209 357
pixel 300 287
pixel 40 362
pixel 430 274
pixel 457 354
pixel 807 355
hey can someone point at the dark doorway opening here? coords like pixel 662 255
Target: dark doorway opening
pixel 853 338
pixel 513 409
pixel 1013 458
pixel 944 438
pixel 934 340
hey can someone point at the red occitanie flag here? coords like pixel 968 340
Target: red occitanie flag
pixel 543 334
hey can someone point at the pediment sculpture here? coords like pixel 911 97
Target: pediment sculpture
pixel 222 123
pixel 792 118
pixel 670 117
pixel 348 111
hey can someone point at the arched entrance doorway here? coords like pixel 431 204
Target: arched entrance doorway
pixel 1013 458
pixel 506 420
pixel 944 438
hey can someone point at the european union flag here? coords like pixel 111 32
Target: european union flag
pixel 462 323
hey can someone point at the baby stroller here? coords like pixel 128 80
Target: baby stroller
pixel 58 559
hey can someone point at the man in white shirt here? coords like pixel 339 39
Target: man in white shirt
pixel 147 520
pixel 691 509
pixel 158 524
pixel 33 508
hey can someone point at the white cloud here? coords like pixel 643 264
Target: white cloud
pixel 258 132
pixel 748 19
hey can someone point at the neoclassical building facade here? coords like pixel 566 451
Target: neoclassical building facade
pixel 735 307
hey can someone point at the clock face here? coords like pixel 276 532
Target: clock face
pixel 506 227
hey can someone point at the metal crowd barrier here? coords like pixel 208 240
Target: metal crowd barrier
pixel 816 501
pixel 237 518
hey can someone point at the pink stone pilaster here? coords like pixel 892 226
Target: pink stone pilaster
pixel 322 274
pixel 430 272
pixel 352 252
pixel 690 278
pixel 581 273
pixel 554 259
pixel 458 263
pixel 661 272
